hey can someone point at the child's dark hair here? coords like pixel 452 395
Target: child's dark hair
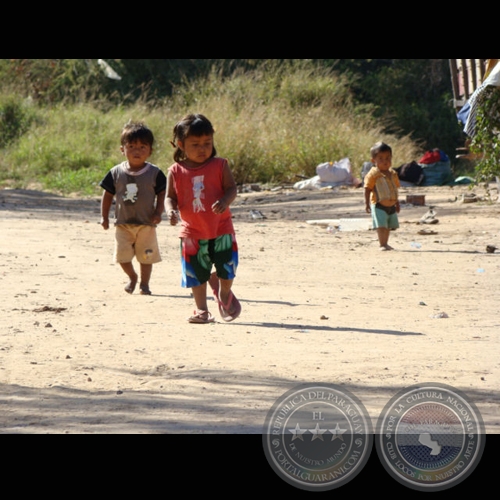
pixel 136 131
pixel 192 124
pixel 380 147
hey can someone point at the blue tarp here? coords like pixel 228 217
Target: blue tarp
pixel 437 174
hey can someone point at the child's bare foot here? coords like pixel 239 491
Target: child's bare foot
pixel 131 285
pixel 145 289
pixel 386 248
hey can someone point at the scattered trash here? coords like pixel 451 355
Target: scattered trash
pixel 415 199
pixel 257 214
pixel 414 244
pixel 422 303
pixel 490 248
pixel 480 270
pixel 329 175
pixel 252 188
pixel 469 198
pixel 426 232
pixel 440 315
pixel 324 222
pixel 429 217
pixel 429 221
pixel 355 224
pixel 108 70
pixel 464 179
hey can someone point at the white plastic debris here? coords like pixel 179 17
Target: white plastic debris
pixel 108 70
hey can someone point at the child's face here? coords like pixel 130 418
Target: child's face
pixel 136 153
pixel 383 160
pixel 197 149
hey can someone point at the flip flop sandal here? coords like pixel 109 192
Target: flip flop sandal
pixel 201 317
pixel 224 309
pixel 232 304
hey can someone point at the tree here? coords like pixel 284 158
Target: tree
pixel 409 97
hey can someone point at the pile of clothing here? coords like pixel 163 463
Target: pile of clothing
pixel 432 169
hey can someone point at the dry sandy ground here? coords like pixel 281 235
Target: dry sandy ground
pixel 79 355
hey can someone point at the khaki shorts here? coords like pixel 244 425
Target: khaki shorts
pixel 136 241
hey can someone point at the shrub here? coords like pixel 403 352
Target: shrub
pixel 16 116
pixel 486 141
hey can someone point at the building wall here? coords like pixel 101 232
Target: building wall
pixel 466 76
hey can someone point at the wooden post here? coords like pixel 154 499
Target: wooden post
pixel 473 69
pixel 465 78
pixel 454 83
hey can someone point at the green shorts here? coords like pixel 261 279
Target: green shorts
pixel 381 218
pixel 198 257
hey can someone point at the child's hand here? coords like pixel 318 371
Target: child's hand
pixel 219 207
pixel 368 209
pixel 173 217
pixel 105 223
pixel 156 219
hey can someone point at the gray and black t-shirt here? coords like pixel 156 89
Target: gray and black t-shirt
pixel 135 192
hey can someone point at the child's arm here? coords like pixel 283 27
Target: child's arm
pixel 160 207
pixel 171 201
pixel 230 191
pixel 106 202
pixel 367 200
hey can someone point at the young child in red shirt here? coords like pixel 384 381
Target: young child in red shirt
pixel 200 189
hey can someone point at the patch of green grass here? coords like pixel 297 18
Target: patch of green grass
pixel 84 181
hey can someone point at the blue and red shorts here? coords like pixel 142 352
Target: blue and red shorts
pixel 198 257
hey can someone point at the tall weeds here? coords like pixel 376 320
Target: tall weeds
pixel 274 124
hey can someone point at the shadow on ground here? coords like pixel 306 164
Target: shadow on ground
pixel 20 201
pixel 196 402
